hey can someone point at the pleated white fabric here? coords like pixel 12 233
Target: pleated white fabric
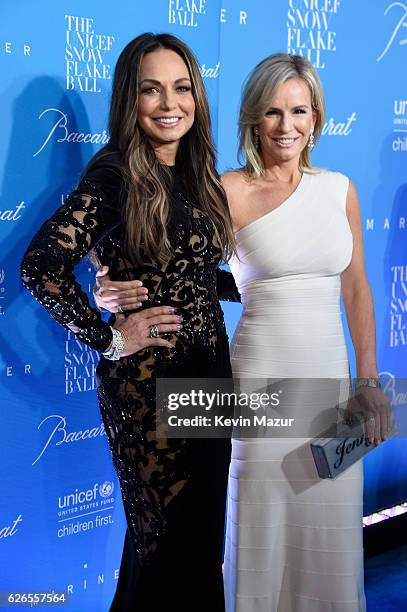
pixel 294 541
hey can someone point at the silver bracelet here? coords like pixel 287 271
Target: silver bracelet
pixel 116 348
pixel 367 382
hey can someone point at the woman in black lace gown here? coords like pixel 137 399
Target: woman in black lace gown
pixel 151 207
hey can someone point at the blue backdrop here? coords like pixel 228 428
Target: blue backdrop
pixel 61 521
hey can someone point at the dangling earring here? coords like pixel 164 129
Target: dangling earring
pixel 311 142
pixel 256 138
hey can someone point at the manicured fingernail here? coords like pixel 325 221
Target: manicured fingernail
pixel 179 318
pixel 170 309
pixel 180 326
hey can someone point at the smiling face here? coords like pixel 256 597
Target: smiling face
pixel 284 132
pixel 166 108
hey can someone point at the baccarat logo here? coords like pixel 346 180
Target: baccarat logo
pixel 396 21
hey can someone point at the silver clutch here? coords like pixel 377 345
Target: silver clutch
pixel 334 455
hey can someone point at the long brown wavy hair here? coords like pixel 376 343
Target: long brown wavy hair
pixel 148 182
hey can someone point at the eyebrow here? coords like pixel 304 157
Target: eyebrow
pixel 159 82
pixel 293 108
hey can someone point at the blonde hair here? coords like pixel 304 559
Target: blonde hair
pixel 259 89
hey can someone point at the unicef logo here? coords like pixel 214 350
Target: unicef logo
pixel 106 489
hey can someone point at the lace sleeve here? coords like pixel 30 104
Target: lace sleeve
pixel 226 286
pixel 47 269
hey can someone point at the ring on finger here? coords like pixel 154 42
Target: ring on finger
pixel 153 331
pixel 120 308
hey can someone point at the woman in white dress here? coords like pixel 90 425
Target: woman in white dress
pixel 294 542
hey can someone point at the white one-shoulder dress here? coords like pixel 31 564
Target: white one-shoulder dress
pixel 294 542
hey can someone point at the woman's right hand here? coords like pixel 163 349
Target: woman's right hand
pixel 117 296
pixel 137 326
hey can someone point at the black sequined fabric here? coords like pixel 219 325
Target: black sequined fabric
pixel 173 490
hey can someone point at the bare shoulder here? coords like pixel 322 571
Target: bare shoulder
pixel 352 191
pixel 235 185
pixel 234 180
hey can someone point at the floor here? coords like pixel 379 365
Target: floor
pixel 386 581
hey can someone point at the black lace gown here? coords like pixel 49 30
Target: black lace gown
pixel 173 490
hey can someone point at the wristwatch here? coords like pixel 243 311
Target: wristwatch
pixel 116 348
pixel 367 382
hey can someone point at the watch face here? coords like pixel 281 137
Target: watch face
pixel 367 382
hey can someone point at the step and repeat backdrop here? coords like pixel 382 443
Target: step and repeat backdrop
pixel 61 520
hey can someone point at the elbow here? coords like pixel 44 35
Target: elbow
pixel 28 270
pixel 24 273
pixel 354 292
pixel 359 299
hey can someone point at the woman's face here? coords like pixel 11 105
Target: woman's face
pixel 285 129
pixel 166 108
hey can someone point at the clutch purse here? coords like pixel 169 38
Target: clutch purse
pixel 334 455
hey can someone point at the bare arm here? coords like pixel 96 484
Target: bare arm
pixel 358 302
pixel 357 297
pixel 232 184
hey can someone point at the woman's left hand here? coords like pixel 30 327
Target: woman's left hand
pixel 117 296
pixel 376 409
